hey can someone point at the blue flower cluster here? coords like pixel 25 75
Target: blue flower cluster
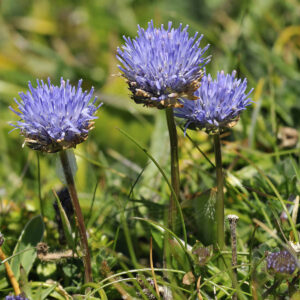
pixel 55 118
pixel 15 298
pixel 162 65
pixel 163 68
pixel 281 262
pixel 219 103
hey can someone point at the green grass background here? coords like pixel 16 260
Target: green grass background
pixel 78 39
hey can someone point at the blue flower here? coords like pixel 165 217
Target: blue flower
pixel 15 298
pixel 219 104
pixel 282 262
pixel 55 118
pixel 162 65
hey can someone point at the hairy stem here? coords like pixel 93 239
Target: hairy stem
pixel 220 194
pixel 39 185
pixel 78 213
pixel 174 167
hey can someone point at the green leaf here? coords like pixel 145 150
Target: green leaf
pixel 103 295
pixel 158 238
pixel 3 281
pixel 200 215
pixel 151 179
pixel 48 291
pixel 25 285
pixel 66 224
pixel 30 237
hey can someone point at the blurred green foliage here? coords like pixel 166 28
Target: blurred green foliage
pixel 78 39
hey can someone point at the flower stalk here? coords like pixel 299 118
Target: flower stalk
pixel 220 193
pixel 78 215
pixel 175 181
pixel 39 185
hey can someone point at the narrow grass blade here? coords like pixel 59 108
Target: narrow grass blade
pixel 164 228
pixel 165 177
pixel 66 224
pixel 292 224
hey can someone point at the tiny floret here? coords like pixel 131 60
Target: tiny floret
pixel 54 118
pixel 162 65
pixel 282 262
pixel 219 105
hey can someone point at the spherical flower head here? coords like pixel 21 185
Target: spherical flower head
pixel 162 65
pixel 55 118
pixel 219 105
pixel 282 262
